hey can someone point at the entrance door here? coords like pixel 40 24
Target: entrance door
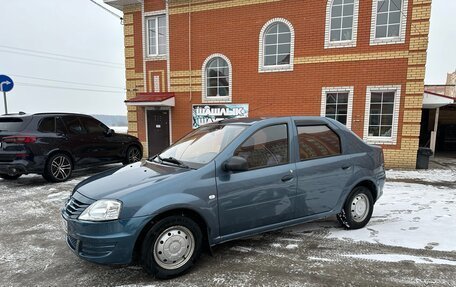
pixel 157 130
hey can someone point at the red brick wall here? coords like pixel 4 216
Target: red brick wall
pixel 234 32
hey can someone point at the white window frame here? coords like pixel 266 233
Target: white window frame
pixel 225 99
pixel 277 68
pixel 402 29
pixel 346 43
pixel 147 16
pixel 349 90
pixel 392 140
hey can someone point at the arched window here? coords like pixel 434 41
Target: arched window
pixel 217 79
pixel 276 46
pixel 341 23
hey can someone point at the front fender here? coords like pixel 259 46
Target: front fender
pixel 207 210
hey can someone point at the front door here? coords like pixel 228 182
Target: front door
pixel 157 130
pixel 264 194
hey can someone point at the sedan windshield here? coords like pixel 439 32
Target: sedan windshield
pixel 202 145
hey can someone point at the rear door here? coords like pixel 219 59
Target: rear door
pixel 322 169
pixel 78 142
pixel 264 194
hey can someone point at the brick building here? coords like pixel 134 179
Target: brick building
pixel 362 62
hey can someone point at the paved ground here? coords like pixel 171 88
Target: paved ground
pixel 409 242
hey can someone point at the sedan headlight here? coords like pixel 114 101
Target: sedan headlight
pixel 102 210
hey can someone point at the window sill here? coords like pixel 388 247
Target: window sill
pixel 156 58
pixel 209 100
pixel 340 44
pixel 381 140
pixel 387 41
pixel 275 69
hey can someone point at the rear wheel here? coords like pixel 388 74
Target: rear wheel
pixel 357 209
pixel 58 168
pixel 133 154
pixel 10 177
pixel 171 247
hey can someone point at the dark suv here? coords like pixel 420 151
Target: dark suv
pixel 54 144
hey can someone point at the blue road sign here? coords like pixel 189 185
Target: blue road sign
pixel 6 83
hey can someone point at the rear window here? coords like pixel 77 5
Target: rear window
pixel 11 124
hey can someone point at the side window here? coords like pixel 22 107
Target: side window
pixel 74 125
pixel 267 147
pixel 93 126
pixel 47 125
pixel 317 141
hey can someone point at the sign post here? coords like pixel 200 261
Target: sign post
pixel 6 85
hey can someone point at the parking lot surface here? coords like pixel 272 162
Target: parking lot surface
pixel 410 241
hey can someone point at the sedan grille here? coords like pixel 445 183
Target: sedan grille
pixel 74 207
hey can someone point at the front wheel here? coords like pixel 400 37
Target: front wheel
pixel 10 177
pixel 58 168
pixel 357 209
pixel 171 247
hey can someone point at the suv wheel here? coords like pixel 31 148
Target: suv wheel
pixel 171 247
pixel 10 177
pixel 357 209
pixel 58 168
pixel 133 154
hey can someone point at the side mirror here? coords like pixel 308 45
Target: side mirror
pixel 236 163
pixel 110 132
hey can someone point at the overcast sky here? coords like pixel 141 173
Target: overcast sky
pixel 78 48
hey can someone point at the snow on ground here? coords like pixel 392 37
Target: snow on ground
pixel 412 215
pixel 403 257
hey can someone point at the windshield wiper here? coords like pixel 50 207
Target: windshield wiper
pixel 172 160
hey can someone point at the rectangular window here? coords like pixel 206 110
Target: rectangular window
pixel 382 109
pixel 381 114
pixel 388 18
pixel 337 106
pixel 389 21
pixel 317 141
pixel 156 35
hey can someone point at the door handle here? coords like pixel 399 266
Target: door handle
pixel 346 167
pixel 287 177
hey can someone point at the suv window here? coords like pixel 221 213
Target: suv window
pixel 93 126
pixel 73 125
pixel 266 147
pixel 47 125
pixel 317 141
pixel 11 124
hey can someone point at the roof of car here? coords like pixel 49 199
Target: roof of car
pixel 22 114
pixel 251 121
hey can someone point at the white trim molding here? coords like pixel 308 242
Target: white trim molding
pixel 402 29
pixel 349 90
pixel 226 99
pixel 341 44
pixel 392 140
pixel 277 68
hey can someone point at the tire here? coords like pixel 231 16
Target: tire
pixel 357 209
pixel 132 155
pixel 10 177
pixel 58 168
pixel 178 232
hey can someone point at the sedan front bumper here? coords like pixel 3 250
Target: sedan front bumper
pixel 109 242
